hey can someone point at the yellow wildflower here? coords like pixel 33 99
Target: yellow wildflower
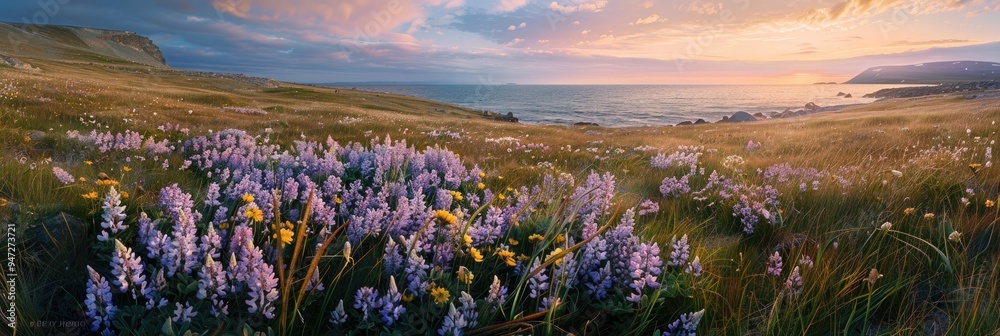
pixel 560 239
pixel 224 226
pixel 523 257
pixel 247 198
pixel 254 213
pixel 481 186
pixel 3 202
pixel 553 254
pixel 126 169
pixel 407 297
pixel 500 177
pixel 465 275
pixel 475 254
pixel 467 240
pixel 440 295
pixel 83 179
pixel 90 196
pixel 534 238
pixel 27 138
pixel 456 195
pixel 445 216
pixel 482 174
pixel 501 197
pixel 975 167
pixel 909 211
pixel 512 242
pixel 106 183
pixel 124 194
pixel 507 256
pixel 989 203
pixel 929 215
pixel 285 235
pixel 338 200
pixel 89 163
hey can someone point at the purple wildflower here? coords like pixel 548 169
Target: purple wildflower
pixel 686 325
pixel 694 268
pixel 774 264
pixel 212 285
pixel 644 267
pixel 263 287
pixel 100 309
pixel 338 315
pixel 63 176
pixel 128 271
pixel 183 313
pixel 114 215
pixel 497 294
pixel 454 322
pixel 366 300
pixel 391 309
pixel 468 310
pixel 794 282
pixel 680 253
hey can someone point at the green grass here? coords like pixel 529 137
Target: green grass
pixel 929 284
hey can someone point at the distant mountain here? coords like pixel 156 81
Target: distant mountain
pixel 78 44
pixel 930 73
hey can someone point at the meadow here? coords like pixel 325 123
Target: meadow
pixel 209 206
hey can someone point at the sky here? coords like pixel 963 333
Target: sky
pixel 543 41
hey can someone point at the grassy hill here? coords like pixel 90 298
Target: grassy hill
pixel 930 73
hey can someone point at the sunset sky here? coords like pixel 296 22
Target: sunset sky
pixel 545 41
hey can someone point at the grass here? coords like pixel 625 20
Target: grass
pixel 928 285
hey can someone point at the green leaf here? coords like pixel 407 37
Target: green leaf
pixel 168 328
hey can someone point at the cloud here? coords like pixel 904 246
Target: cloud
pixel 595 6
pixel 510 5
pixel 931 42
pixel 648 20
pixel 511 28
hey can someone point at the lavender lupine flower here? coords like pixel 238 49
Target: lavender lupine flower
pixel 644 267
pixel 416 273
pixel 63 176
pixel 538 284
pixel 674 187
pixel 146 228
pixel 686 325
pixel 391 309
pixel 774 264
pixel 392 260
pixel 183 313
pixel 648 207
pixel 806 261
pixel 184 255
pixel 211 243
pixel 468 310
pixel 128 271
pixel 338 315
pixel 212 195
pixel 212 285
pixel 794 282
pixel 100 309
pixel 114 215
pixel 680 253
pixel 454 322
pixel 366 300
pixel 497 294
pixel 262 286
pixel 694 268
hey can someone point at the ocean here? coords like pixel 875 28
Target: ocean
pixel 632 105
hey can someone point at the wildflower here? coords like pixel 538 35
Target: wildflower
pixel 806 261
pixel 694 268
pixel 507 256
pixel 498 293
pixel 456 195
pixel 114 215
pixel 284 235
pixel 100 309
pixel 212 285
pixel 794 282
pixel 481 186
pixel 183 313
pixel 929 215
pixel 681 251
pixel 90 196
pixel 685 325
pixel 106 182
pixel 909 211
pixel 454 322
pixel 263 288
pixel 445 216
pixel 955 237
pixel 534 238
pixel 512 242
pixel 873 276
pixel 126 169
pixel 124 194
pixel 338 200
pixel 89 163
pixel 554 253
pixel 407 297
pixel 501 197
pixel 482 175
pixel 885 226
pixel 475 254
pixel 975 167
pixel 774 264
pixel 391 309
pixel 3 202
pixel 440 295
pixel 128 270
pixel 990 203
pixel 254 213
pixel 248 198
pixel 63 176
pixel 465 275
pixel 338 315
